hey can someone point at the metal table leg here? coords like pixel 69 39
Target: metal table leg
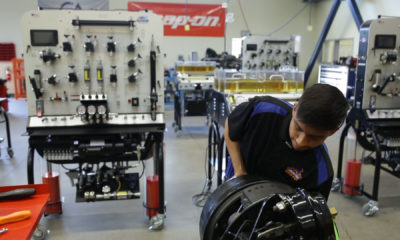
pixel 177 113
pixel 370 208
pixel 337 182
pixel 157 222
pixel 31 153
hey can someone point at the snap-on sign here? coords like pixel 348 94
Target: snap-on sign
pixel 203 19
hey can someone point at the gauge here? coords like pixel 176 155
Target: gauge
pixel 91 110
pixel 81 110
pixel 101 109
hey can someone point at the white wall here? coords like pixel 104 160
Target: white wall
pixel 10 22
pixel 344 26
pixel 262 16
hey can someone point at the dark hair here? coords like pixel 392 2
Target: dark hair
pixel 322 106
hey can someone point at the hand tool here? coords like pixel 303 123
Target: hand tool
pixel 15 216
pixel 17 194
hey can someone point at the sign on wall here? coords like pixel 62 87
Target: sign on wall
pixel 179 19
pixel 74 4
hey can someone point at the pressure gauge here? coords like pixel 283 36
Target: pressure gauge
pixel 81 110
pixel 101 109
pixel 91 110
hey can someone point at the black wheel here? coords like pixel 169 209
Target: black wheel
pixel 253 208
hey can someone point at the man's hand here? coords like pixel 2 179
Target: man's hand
pixel 234 152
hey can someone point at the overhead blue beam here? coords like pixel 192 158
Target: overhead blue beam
pixel 321 39
pixel 356 13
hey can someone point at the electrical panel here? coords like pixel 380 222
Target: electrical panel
pixel 95 85
pixel 378 71
pixel 266 53
pixel 93 67
pixel 195 75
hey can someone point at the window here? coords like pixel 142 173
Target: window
pixel 236 46
pixel 333 50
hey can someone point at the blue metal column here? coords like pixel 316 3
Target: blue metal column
pixel 356 13
pixel 321 40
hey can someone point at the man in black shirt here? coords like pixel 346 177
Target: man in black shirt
pixel 271 138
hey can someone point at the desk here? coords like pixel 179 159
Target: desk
pixel 36 204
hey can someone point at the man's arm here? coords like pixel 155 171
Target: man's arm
pixel 234 152
pixel 325 188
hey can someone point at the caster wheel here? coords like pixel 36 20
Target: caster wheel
pixel 157 222
pixel 369 209
pixel 336 185
pixel 40 233
pixel 10 152
pixel 178 133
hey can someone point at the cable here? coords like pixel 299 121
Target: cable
pixel 200 199
pixel 309 14
pixel 119 186
pixel 187 9
pixel 144 167
pixel 69 169
pixel 244 17
pixel 226 11
pixel 366 159
pixel 291 19
pixel 138 156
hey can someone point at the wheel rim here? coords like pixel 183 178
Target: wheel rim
pixel 245 208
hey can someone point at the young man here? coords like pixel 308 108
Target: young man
pixel 273 139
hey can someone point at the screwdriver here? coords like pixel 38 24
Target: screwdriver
pixel 17 194
pixel 15 216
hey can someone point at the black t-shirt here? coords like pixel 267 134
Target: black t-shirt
pixel 262 128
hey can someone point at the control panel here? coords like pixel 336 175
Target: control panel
pixel 205 83
pixel 378 71
pixel 195 75
pixel 266 53
pixel 93 67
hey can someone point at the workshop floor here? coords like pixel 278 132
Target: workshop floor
pixel 185 177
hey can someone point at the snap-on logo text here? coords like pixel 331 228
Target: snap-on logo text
pixel 181 20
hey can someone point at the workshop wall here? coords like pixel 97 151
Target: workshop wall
pixel 262 17
pixel 10 22
pixel 344 26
